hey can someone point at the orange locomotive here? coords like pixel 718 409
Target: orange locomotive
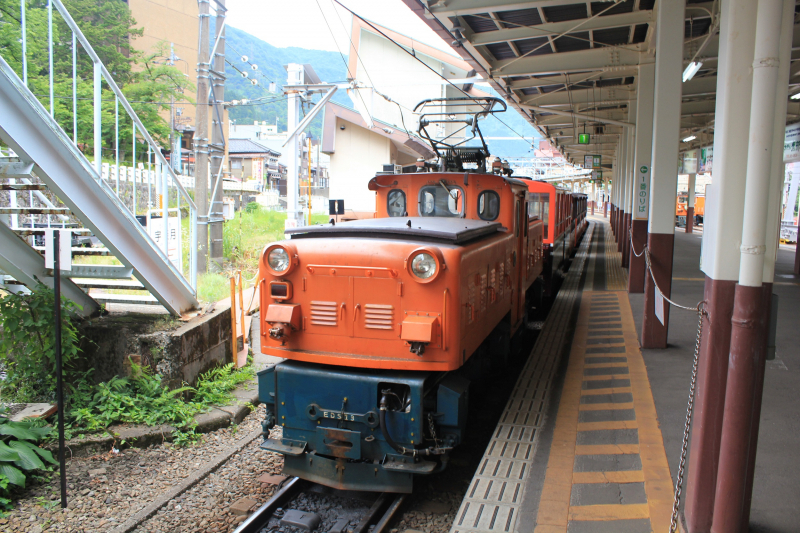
pixel 385 322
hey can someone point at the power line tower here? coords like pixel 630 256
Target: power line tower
pixel 200 141
pixel 210 111
pixel 217 147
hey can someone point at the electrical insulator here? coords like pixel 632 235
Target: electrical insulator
pixel 272 87
pixel 244 59
pixel 244 74
pixel 254 82
pixel 254 67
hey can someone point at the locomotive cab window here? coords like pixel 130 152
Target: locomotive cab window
pixel 396 203
pixel 488 205
pixel 441 201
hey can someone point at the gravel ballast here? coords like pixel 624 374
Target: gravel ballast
pixel 106 490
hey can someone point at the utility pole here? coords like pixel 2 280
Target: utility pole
pixel 201 139
pixel 295 76
pixel 217 147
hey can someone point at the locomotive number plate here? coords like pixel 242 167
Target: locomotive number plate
pixel 315 412
pixel 338 415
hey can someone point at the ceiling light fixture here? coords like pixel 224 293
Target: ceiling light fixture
pixel 689 138
pixel 691 70
pixel 795 96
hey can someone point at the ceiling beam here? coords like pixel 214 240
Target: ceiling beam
pixel 603 59
pixel 578 115
pixel 578 96
pixel 553 29
pixel 559 79
pixel 473 7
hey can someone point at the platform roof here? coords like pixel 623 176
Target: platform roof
pixel 570 67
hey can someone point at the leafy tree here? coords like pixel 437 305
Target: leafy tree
pixel 146 80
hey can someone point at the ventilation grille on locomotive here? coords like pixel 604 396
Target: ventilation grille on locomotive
pixel 323 313
pixel 378 316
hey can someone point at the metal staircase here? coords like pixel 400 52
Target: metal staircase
pixel 46 181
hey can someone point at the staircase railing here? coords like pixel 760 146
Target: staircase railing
pixel 164 177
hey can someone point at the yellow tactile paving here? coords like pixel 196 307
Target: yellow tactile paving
pixel 623 476
pixel 609 512
pixel 606 449
pixel 605 406
pixel 611 424
pixel 614 390
pixel 555 510
pixel 616 276
pixel 605 365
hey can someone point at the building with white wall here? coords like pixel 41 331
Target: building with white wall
pixel 381 127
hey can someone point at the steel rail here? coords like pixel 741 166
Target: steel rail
pixel 376 520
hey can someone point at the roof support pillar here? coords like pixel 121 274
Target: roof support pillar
pixel 722 228
pixel 641 186
pixel 690 201
pixel 621 178
pixel 664 177
pixel 630 133
pixel 752 296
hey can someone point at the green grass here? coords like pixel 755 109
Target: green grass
pixel 243 240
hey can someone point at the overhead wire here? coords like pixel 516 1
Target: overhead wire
pixel 459 89
pixel 351 75
pixel 372 83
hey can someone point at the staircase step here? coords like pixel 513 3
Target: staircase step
pixel 22 187
pixel 79 250
pixel 34 211
pixel 30 232
pixel 103 272
pixel 129 284
pixel 13 168
pixel 136 299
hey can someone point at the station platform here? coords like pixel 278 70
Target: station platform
pixel 590 438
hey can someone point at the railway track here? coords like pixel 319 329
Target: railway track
pixel 300 505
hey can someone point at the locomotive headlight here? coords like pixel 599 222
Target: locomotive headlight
pixel 278 260
pixel 423 265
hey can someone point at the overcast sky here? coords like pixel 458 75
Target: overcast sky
pixel 302 23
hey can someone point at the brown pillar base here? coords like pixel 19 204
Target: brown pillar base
pixel 689 219
pixel 626 240
pixel 661 245
pixel 620 232
pixel 745 364
pixel 709 404
pixel 637 265
pixel 766 309
pixel 797 260
pixel 614 220
pixel 605 209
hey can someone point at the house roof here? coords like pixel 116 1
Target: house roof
pixel 247 146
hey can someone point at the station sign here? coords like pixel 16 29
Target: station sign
pixel 583 138
pixel 642 192
pixel 791 144
pixel 587 161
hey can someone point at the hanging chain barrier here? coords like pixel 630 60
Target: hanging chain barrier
pixel 700 309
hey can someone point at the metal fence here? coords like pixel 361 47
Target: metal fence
pixel 158 176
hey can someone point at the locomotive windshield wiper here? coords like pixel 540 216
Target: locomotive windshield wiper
pixel 449 191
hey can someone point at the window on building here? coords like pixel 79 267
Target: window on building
pixel 236 164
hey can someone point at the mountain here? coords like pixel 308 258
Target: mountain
pixel 330 67
pixel 270 61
